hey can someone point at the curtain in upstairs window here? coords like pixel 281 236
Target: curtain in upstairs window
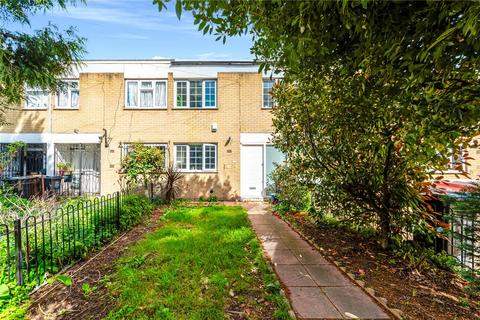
pixel 160 94
pixel 132 89
pixel 37 98
pixel 146 94
pixel 62 98
pixel 75 95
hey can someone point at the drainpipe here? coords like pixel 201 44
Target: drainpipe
pixel 50 144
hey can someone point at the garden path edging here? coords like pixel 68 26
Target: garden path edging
pixel 396 313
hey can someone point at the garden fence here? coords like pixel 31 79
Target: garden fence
pixel 37 246
pixel 464 237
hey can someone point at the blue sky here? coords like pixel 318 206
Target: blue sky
pixel 135 29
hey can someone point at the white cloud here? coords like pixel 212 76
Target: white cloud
pixel 160 57
pixel 124 15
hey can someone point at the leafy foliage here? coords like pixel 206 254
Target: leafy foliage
pixel 134 209
pixel 289 189
pixel 7 156
pixel 35 59
pixel 171 186
pixel 143 165
pixel 64 279
pixel 376 94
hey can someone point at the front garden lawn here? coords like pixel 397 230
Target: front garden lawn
pixel 202 263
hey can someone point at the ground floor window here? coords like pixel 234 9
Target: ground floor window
pixel 127 149
pixel 79 164
pixel 196 157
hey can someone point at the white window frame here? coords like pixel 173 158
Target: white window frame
pixel 26 103
pixel 139 89
pixel 275 81
pixel 69 95
pixel 188 94
pixel 203 156
pixel 165 145
pixel 203 94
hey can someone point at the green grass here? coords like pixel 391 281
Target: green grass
pixel 189 268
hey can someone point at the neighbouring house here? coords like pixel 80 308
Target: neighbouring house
pixel 212 118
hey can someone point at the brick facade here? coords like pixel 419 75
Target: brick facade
pixel 102 106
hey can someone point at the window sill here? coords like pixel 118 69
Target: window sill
pixel 265 108
pixel 66 108
pixel 145 108
pixel 451 172
pixel 187 108
pixel 194 171
pixel 35 109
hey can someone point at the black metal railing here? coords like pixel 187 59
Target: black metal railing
pixel 76 184
pixel 80 183
pixel 35 246
pixel 464 237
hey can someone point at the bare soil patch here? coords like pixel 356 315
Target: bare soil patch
pixel 420 294
pixel 56 301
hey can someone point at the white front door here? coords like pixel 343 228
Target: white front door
pixel 251 172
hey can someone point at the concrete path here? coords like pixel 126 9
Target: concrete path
pixel 316 288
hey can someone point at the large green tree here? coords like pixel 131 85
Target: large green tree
pixel 37 58
pixel 376 94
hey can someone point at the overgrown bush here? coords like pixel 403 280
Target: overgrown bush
pixel 289 190
pixel 134 209
pixel 143 165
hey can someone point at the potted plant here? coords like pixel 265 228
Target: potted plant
pixel 65 170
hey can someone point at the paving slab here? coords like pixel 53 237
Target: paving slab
pixel 296 244
pixel 295 276
pixel 274 244
pixel 312 303
pixel 354 301
pixel 327 275
pixel 309 256
pixel 316 288
pixel 282 256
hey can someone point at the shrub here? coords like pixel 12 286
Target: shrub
pixel 212 198
pixel 134 209
pixel 288 188
pixel 172 183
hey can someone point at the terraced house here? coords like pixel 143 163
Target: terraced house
pixel 212 119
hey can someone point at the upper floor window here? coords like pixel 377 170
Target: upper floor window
pixel 68 95
pixel 196 157
pixel 146 94
pixel 36 98
pixel 196 94
pixel 268 101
